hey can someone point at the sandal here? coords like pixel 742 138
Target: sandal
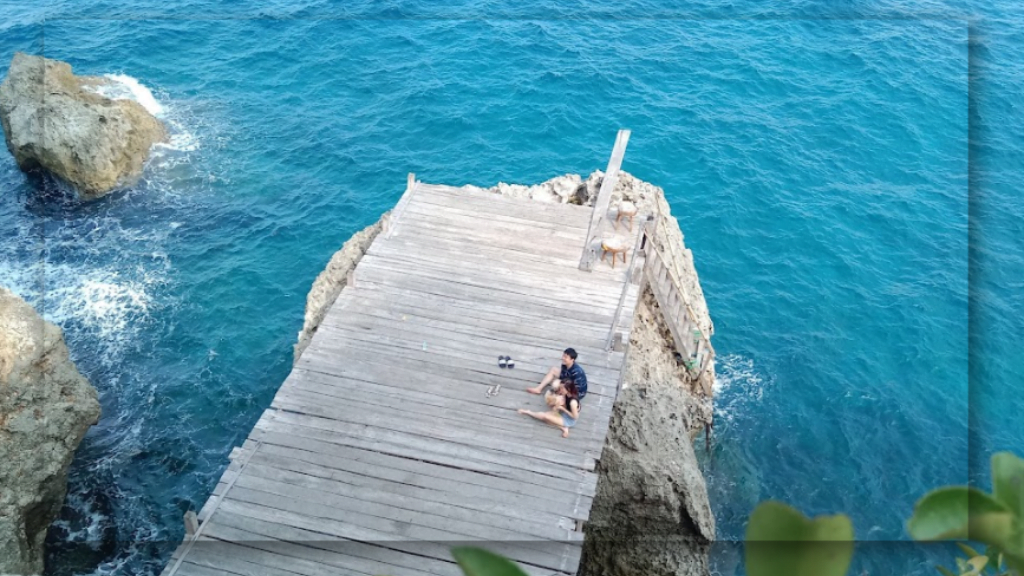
pixel 509 363
pixel 502 361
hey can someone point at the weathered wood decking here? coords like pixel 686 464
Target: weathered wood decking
pixel 381 449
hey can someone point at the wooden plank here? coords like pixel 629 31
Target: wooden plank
pixel 424 233
pixel 464 456
pixel 429 555
pixel 550 294
pixel 438 430
pixel 486 316
pixel 611 178
pixel 472 356
pixel 399 210
pixel 510 335
pixel 430 291
pixel 556 244
pixel 232 558
pixel 434 249
pixel 528 216
pixel 563 304
pixel 309 515
pixel 239 559
pixel 470 408
pixel 422 396
pixel 503 232
pixel 188 569
pixel 512 427
pixel 499 230
pixel 436 463
pixel 475 361
pixel 425 419
pixel 524 269
pixel 372 463
pixel 505 203
pixel 348 555
pixel 474 347
pixel 473 515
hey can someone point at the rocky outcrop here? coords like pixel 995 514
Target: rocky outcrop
pixel 651 514
pixel 57 121
pixel 46 407
pixel 333 279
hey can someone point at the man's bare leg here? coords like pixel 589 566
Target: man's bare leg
pixel 548 378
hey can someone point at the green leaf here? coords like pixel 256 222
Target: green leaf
pixel 783 542
pixel 1015 563
pixel 960 512
pixel 971 552
pixel 480 562
pixel 945 571
pixel 995 557
pixel 977 564
pixel 1008 482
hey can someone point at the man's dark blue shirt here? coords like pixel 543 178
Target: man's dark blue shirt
pixel 577 375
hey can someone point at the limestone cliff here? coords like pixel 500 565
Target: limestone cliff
pixel 55 120
pixel 46 407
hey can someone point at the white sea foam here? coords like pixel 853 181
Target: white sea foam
pixel 124 87
pixel 737 384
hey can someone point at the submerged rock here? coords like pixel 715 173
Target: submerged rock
pixel 46 407
pixel 57 121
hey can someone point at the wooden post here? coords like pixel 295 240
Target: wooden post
pixel 604 198
pixel 392 223
pixel 617 341
pixel 191 524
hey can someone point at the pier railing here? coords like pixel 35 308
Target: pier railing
pixel 651 265
pixel 690 340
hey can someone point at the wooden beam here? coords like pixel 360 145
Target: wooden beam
pixel 604 196
pixel 396 214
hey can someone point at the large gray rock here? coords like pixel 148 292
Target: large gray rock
pixel 55 120
pixel 651 515
pixel 46 407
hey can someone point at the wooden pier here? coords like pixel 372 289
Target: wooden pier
pixel 383 448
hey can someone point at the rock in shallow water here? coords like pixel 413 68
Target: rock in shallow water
pixel 46 407
pixel 55 120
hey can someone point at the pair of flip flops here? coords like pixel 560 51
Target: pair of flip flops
pixel 506 362
pixel 493 390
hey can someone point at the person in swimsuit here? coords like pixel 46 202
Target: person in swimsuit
pixel 565 408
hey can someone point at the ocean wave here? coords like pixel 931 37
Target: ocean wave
pixel 738 384
pixel 125 87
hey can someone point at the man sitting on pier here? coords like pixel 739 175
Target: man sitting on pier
pixel 569 370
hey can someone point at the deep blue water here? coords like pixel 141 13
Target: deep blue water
pixel 846 175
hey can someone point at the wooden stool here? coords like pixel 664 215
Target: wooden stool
pixel 615 245
pixel 626 210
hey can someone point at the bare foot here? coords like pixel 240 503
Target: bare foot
pixel 565 432
pixel 534 390
pixel 523 411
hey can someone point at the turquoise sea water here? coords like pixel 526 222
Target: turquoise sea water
pixel 846 175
